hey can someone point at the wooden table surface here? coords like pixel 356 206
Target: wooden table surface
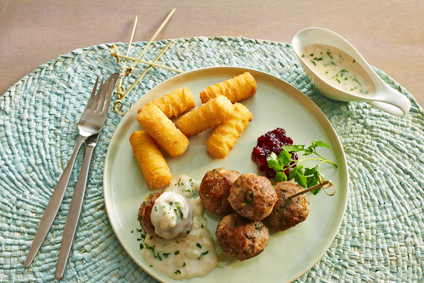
pixel 389 34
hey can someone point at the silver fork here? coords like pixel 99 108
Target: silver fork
pixel 89 125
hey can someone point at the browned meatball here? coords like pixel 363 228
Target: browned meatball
pixel 144 214
pixel 252 196
pixel 241 238
pixel 288 213
pixel 215 189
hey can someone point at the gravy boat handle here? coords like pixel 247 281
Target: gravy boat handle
pixel 390 101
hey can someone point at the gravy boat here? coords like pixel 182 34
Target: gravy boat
pixel 384 98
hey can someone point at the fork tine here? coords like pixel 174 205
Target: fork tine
pixel 93 95
pixel 102 104
pixel 109 91
pixel 99 96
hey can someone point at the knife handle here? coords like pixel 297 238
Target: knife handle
pixel 74 212
pixel 53 206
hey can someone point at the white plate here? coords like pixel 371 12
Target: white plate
pixel 289 254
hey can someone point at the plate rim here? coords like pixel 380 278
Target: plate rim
pixel 319 112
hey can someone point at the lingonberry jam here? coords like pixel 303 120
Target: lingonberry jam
pixel 272 141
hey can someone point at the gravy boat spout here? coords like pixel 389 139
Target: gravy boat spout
pixel 380 96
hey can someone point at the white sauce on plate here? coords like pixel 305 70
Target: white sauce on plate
pixel 338 69
pixel 171 215
pixel 190 255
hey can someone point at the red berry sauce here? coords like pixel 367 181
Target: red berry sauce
pixel 272 141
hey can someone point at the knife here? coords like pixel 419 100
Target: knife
pixel 75 207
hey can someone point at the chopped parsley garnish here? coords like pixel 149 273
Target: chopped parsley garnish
pixel 355 80
pixel 203 254
pixel 179 212
pixel 248 197
pixel 258 227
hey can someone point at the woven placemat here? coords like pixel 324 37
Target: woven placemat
pixel 381 237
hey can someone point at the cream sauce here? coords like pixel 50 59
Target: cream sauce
pixel 192 254
pixel 338 69
pixel 171 215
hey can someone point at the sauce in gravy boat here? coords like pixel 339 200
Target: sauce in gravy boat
pixel 339 72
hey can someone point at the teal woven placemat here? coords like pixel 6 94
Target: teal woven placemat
pixel 381 237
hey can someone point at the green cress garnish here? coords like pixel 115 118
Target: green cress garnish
pixel 307 177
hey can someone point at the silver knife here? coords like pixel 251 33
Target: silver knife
pixel 75 207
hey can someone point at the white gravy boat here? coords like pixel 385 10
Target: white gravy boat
pixel 384 98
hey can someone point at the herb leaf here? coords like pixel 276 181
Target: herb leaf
pixel 306 177
pixel 278 162
pixel 293 148
pixel 297 174
pixel 280 176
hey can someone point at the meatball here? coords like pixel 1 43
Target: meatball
pixel 215 189
pixel 252 196
pixel 241 238
pixel 144 214
pixel 288 213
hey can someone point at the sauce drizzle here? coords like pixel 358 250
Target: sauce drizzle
pixel 338 68
pixel 190 255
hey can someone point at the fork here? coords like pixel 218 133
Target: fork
pixel 89 125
